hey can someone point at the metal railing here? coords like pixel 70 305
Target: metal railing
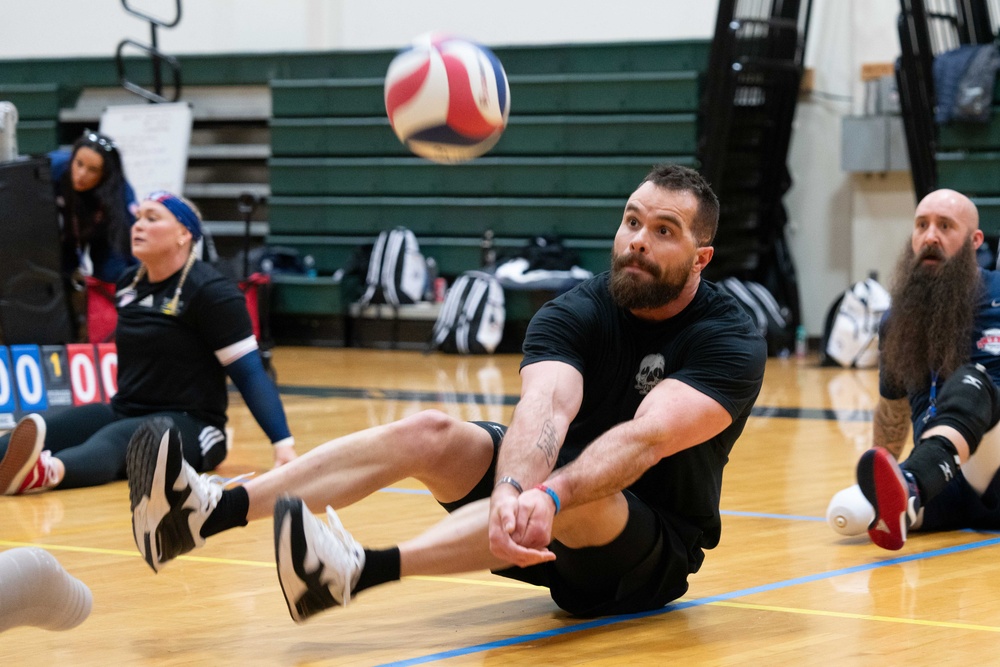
pixel 157 57
pixel 928 28
pixel 747 108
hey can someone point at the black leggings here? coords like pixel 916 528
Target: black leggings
pixel 91 441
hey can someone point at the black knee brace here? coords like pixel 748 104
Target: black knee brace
pixel 969 403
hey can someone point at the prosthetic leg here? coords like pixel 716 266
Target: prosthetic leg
pixel 849 512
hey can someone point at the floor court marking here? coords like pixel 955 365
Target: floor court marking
pixel 725 600
pixel 132 553
pixel 860 617
pixel 462 398
pixel 424 492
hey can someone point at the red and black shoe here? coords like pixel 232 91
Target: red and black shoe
pixel 894 495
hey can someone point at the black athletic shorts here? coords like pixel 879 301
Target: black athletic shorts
pixel 644 568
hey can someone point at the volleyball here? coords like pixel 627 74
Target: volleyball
pixel 447 98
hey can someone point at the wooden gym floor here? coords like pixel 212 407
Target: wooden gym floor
pixel 781 588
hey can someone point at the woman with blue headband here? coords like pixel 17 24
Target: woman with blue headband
pixel 182 329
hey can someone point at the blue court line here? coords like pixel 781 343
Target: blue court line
pixel 396 489
pixel 767 515
pixel 465 398
pixel 610 620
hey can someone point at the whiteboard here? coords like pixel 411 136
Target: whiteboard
pixel 153 140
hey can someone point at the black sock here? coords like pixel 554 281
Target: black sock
pixel 229 513
pixel 381 566
pixel 933 463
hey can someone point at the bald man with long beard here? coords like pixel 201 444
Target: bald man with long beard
pixel 939 364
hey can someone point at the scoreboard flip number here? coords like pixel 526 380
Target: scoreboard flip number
pixel 31 394
pixel 7 405
pixel 53 377
pixel 83 374
pixel 107 360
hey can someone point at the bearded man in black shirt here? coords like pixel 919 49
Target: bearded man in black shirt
pixel 605 488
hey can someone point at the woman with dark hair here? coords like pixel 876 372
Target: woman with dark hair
pixel 96 205
pixel 96 210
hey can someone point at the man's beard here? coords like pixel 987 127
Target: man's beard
pixel 631 292
pixel 933 311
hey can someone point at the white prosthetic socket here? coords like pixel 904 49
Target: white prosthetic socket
pixel 849 512
pixel 36 591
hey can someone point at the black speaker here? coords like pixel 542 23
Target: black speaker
pixel 33 306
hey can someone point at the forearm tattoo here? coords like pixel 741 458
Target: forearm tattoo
pixel 892 423
pixel 547 441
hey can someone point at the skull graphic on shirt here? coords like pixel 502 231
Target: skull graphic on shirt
pixel 650 373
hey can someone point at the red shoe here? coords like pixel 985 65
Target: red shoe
pixel 23 453
pixel 42 476
pixel 894 497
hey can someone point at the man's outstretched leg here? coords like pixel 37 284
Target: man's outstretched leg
pixel 321 566
pixel 174 509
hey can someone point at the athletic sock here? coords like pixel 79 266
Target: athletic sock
pixel 381 566
pixel 230 512
pixel 933 463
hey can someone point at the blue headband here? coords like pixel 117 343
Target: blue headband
pixel 184 213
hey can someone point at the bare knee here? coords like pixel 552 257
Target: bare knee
pixel 430 434
pixel 593 524
pixel 444 448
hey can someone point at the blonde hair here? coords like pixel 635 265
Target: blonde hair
pixel 169 308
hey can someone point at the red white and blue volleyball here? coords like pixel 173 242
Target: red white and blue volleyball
pixel 447 98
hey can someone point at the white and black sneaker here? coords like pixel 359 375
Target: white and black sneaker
pixel 318 563
pixel 170 501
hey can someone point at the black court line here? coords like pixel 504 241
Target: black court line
pixel 466 398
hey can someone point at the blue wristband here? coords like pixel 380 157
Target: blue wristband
pixel 552 494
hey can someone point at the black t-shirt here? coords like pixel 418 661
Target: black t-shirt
pixel 168 362
pixel 712 345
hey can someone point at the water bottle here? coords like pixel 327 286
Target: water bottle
pixel 801 342
pixel 8 132
pixel 489 253
pixel 309 263
pixel 432 274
